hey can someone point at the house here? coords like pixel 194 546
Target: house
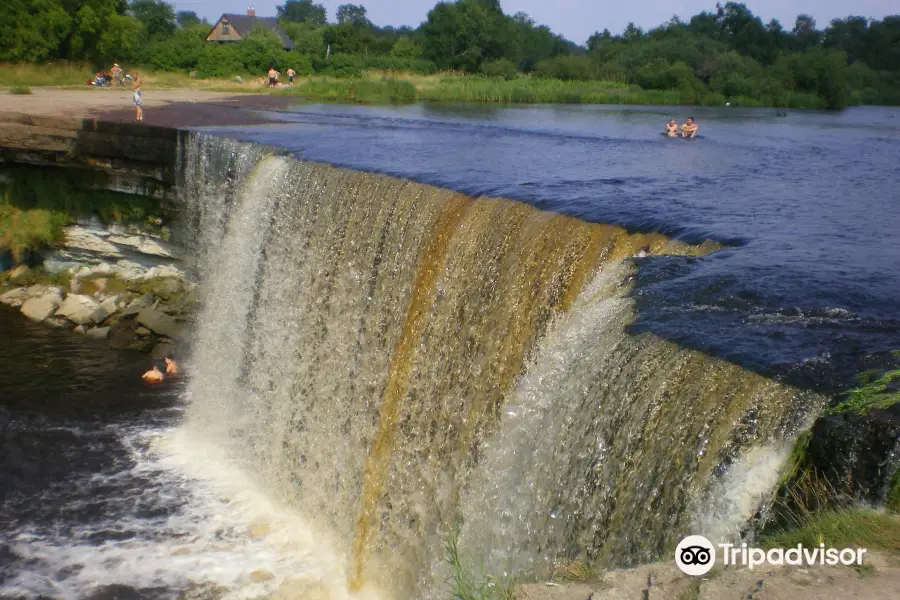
pixel 234 28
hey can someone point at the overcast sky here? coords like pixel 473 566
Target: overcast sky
pixel 576 19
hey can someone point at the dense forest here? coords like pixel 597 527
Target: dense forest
pixel 728 53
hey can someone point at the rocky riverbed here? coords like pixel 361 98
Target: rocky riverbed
pixel 121 283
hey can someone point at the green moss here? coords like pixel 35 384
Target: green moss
pixel 873 394
pixel 29 230
pixel 796 459
pixel 73 193
pixel 38 276
pixel 861 528
pixel 36 204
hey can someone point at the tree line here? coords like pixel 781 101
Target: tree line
pixel 725 53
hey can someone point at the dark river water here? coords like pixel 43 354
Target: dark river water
pixel 809 202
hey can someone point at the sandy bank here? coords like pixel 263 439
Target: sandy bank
pixel 169 108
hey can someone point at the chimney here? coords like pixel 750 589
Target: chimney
pixel 251 12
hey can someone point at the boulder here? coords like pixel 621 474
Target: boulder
pixel 57 322
pixel 160 351
pixel 106 309
pixel 168 287
pixel 90 240
pixel 862 451
pixel 80 329
pixel 145 245
pixel 18 272
pixel 139 304
pixel 128 270
pixel 164 271
pixel 98 333
pixel 78 309
pixel 36 291
pixel 121 334
pixel 14 297
pixel 159 322
pixel 40 309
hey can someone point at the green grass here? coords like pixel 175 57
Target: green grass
pixel 691 592
pixel 30 229
pixel 796 459
pixel 842 528
pixel 363 91
pixel 48 74
pixel 892 502
pixel 20 90
pixel 388 87
pixel 873 393
pixel 464 585
pixel 36 204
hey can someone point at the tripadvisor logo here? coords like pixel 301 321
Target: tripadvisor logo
pixel 696 555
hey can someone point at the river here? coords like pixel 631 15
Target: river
pixel 200 489
pixel 809 200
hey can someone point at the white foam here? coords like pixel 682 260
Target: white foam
pixel 222 531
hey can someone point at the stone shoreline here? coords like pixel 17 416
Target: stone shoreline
pixel 121 284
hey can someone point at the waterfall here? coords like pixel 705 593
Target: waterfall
pixel 398 362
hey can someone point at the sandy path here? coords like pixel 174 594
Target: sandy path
pixel 173 108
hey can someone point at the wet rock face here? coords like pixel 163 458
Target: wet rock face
pixel 859 454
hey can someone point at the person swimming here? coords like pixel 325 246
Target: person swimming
pixel 154 375
pixel 689 129
pixel 160 370
pixel 171 367
pixel 672 128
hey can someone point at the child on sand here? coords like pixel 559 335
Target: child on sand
pixel 136 98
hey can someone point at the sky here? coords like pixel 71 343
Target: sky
pixel 575 19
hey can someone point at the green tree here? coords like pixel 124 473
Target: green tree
pixel 308 39
pixel 32 30
pixel 354 14
pixel 187 18
pixel 302 11
pixel 156 16
pixel 805 33
pixel 463 34
pixel 406 48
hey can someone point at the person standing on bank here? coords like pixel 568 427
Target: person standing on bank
pixel 290 74
pixel 137 99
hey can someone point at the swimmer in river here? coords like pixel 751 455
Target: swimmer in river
pixel 672 128
pixel 171 367
pixel 689 129
pixel 154 375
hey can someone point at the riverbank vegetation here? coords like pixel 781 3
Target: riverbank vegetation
pixel 481 53
pixel 35 208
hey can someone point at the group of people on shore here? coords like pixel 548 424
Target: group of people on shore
pixel 688 130
pixel 274 75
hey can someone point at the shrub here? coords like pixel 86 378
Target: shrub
pixel 339 65
pixel 499 68
pixel 20 90
pixel 566 68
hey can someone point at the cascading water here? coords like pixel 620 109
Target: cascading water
pixel 396 361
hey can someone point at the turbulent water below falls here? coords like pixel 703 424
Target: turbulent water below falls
pixel 396 362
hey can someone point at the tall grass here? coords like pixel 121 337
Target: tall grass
pixel 48 74
pixel 385 91
pixel 466 586
pixel 841 528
